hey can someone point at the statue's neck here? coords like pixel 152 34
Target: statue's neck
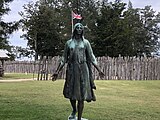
pixel 77 37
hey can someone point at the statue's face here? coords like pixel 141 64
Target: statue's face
pixel 79 29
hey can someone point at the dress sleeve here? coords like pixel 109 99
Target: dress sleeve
pixel 90 54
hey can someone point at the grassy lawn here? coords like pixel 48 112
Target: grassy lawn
pixel 10 76
pixel 116 100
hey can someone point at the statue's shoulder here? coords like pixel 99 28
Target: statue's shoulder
pixel 86 41
pixel 68 41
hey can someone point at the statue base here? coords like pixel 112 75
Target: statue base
pixel 76 119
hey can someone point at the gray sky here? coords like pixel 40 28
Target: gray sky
pixel 16 6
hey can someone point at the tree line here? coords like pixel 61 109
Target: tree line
pixel 113 28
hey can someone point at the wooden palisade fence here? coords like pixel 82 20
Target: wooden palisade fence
pixel 127 68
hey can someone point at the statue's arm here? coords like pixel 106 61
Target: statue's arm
pixel 62 62
pixel 93 59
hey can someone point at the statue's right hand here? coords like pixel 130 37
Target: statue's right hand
pixel 54 76
pixel 101 74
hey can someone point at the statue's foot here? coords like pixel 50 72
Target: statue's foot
pixel 72 116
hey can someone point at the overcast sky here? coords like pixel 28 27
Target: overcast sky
pixel 16 6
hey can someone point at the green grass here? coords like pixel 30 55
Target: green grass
pixel 116 100
pixel 10 76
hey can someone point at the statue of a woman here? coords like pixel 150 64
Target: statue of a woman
pixel 79 84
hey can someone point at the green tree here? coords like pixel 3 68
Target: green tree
pixel 6 28
pixel 40 22
pixel 131 32
pixel 109 29
pixel 141 31
pixel 151 21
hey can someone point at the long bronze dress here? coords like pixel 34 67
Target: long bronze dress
pixel 78 84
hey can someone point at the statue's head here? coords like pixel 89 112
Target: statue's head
pixel 78 29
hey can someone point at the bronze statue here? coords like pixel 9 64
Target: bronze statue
pixel 79 83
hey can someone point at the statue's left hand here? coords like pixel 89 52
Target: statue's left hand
pixel 101 74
